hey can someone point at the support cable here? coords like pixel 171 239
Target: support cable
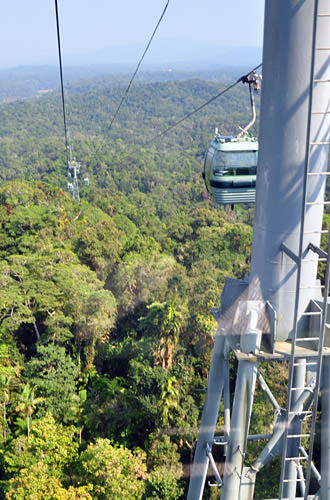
pixel 171 127
pixel 61 77
pixel 168 129
pixel 131 80
pixel 129 155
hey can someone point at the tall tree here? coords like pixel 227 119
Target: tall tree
pixel 49 442
pixel 27 403
pixel 171 326
pixel 55 375
pixel 115 472
pixel 38 483
pixel 169 399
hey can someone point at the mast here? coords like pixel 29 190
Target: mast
pixel 277 313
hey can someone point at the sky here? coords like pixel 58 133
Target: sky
pixel 28 29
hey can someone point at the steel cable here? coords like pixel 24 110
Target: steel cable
pixel 61 78
pixel 131 80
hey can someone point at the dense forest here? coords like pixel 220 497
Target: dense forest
pixel 29 81
pixel 106 332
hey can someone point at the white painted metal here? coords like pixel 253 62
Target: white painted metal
pixel 291 146
pixel 282 151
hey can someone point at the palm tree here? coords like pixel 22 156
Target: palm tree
pixel 6 383
pixel 169 398
pixel 169 335
pixel 27 404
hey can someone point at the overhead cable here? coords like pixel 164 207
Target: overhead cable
pixel 168 129
pixel 131 80
pixel 61 77
pixel 171 127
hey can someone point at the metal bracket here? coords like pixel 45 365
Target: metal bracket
pixel 236 472
pixel 313 468
pixel 213 466
pixel 240 451
pixel 268 392
pixel 289 253
pixel 252 470
pixel 318 251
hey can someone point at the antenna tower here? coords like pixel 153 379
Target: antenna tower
pixel 74 169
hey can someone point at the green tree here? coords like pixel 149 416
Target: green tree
pixel 169 399
pixel 115 472
pixel 171 326
pixel 163 481
pixel 7 382
pixel 99 247
pixel 163 484
pixel 27 403
pixel 49 442
pixel 37 483
pixel 13 308
pixel 77 410
pixel 97 318
pixel 167 320
pixel 141 277
pixel 55 375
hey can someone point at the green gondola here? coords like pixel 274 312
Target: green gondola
pixel 230 169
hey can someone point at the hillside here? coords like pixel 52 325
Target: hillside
pixel 105 330
pixel 28 81
pixel 32 130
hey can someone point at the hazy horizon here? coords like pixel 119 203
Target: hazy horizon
pixel 28 29
pixel 191 54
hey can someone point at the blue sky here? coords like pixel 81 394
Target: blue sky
pixel 28 36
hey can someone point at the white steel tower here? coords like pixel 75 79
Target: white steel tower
pixel 278 313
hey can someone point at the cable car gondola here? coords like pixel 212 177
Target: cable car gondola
pixel 230 166
pixel 230 169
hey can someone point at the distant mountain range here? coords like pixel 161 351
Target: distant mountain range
pixel 175 54
pixel 162 55
pixel 166 60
